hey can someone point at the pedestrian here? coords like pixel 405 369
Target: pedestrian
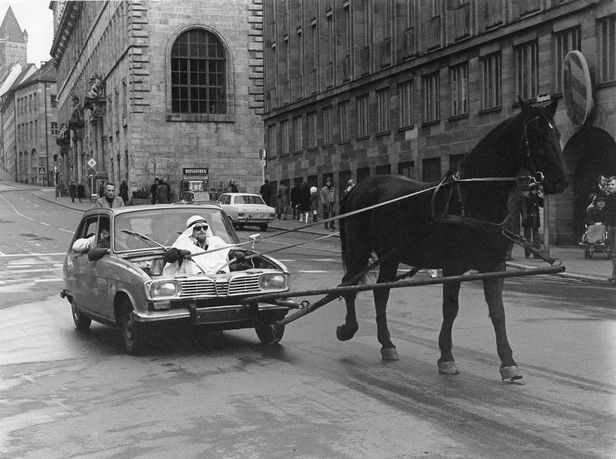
pixel 62 188
pixel 109 200
pixel 57 190
pixel 314 203
pixel 124 191
pixel 72 191
pixel 153 189
pixel 349 187
pixel 232 187
pixel 514 206
pixel 282 201
pixel 81 191
pixel 304 202
pixel 266 192
pixel 162 192
pixel 531 222
pixel 328 199
pixel 295 198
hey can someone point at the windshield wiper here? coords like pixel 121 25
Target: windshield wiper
pixel 143 237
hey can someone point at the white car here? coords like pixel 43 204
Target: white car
pixel 247 209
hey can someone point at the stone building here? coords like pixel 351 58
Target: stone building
pixel 364 87
pixel 160 89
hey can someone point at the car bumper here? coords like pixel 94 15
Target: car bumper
pixel 211 315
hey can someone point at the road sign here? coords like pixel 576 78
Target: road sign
pixel 577 88
pixel 91 172
pixel 91 162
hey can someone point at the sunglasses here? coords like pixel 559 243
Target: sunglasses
pixel 200 227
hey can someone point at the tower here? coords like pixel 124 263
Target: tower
pixel 13 42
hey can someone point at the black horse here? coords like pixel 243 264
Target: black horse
pixel 455 225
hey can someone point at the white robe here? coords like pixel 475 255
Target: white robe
pixel 209 263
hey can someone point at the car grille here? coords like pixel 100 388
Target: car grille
pixel 222 288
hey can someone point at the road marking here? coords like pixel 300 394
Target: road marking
pixel 26 271
pixel 54 254
pixel 57 279
pixel 65 230
pixel 43 223
pixel 312 271
pixel 324 259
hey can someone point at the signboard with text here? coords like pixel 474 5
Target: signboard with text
pixel 196 171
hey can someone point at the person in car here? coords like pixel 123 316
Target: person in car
pixel 197 239
pixel 86 245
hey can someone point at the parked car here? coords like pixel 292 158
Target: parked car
pixel 196 197
pixel 126 287
pixel 247 209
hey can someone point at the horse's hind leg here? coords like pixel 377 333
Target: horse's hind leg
pixel 493 290
pixel 446 363
pixel 387 273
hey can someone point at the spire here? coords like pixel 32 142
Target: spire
pixel 10 30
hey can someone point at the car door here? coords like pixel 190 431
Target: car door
pixel 79 275
pixel 99 275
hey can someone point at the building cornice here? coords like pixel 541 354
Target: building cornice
pixel 68 21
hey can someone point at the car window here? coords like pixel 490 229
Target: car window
pixel 165 226
pixel 239 200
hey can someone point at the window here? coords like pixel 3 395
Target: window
pixel 385 169
pixel 312 130
pixel 607 49
pixel 53 128
pixel 526 70
pixel 327 125
pixel 363 173
pixel 564 41
pixel 407 169
pixel 284 138
pixel 491 94
pixel 459 89
pixel 298 134
pixel 431 169
pixel 271 140
pixel 53 101
pixel 343 113
pixel 431 84
pixel 198 75
pixel 362 116
pixel 405 102
pixel 382 110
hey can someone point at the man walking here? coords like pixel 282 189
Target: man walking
pixel 109 200
pixel 328 200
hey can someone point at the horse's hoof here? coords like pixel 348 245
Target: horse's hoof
pixel 389 353
pixel 511 373
pixel 447 368
pixel 346 332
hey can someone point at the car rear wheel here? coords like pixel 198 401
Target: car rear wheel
pixel 133 332
pixel 82 321
pixel 269 333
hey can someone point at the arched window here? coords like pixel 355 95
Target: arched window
pixel 198 74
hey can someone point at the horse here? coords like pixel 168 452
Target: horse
pixel 455 225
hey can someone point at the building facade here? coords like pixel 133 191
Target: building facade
pixel 366 87
pixel 159 89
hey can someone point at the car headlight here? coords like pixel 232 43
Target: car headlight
pixel 273 281
pixel 163 288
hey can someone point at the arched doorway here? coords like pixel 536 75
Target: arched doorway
pixel 593 152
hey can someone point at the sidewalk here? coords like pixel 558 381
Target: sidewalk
pixel 595 270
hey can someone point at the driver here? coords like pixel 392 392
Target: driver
pixel 196 239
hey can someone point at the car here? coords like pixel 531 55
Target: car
pixel 247 209
pixel 123 285
pixel 198 197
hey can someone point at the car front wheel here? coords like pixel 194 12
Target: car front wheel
pixel 82 321
pixel 269 333
pixel 133 332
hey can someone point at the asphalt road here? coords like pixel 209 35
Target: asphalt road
pixel 64 393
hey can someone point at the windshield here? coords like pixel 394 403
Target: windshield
pixel 164 226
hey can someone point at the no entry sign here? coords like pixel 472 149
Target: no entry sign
pixel 577 88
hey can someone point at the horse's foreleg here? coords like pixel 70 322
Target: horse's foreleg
pixel 493 289
pixel 386 274
pixel 347 330
pixel 446 363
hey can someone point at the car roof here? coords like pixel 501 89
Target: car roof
pixel 242 194
pixel 129 209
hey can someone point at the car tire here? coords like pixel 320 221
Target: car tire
pixel 82 321
pixel 263 227
pixel 268 333
pixel 133 332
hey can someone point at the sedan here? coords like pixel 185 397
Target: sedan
pixel 247 209
pixel 119 279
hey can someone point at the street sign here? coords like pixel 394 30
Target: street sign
pixel 91 172
pixel 577 88
pixel 91 162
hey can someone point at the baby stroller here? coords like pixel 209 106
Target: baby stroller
pixel 595 240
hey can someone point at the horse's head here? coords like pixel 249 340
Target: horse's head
pixel 541 146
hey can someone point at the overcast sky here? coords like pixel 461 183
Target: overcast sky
pixel 36 17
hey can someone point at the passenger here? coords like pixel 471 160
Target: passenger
pixel 596 212
pixel 196 239
pixel 86 245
